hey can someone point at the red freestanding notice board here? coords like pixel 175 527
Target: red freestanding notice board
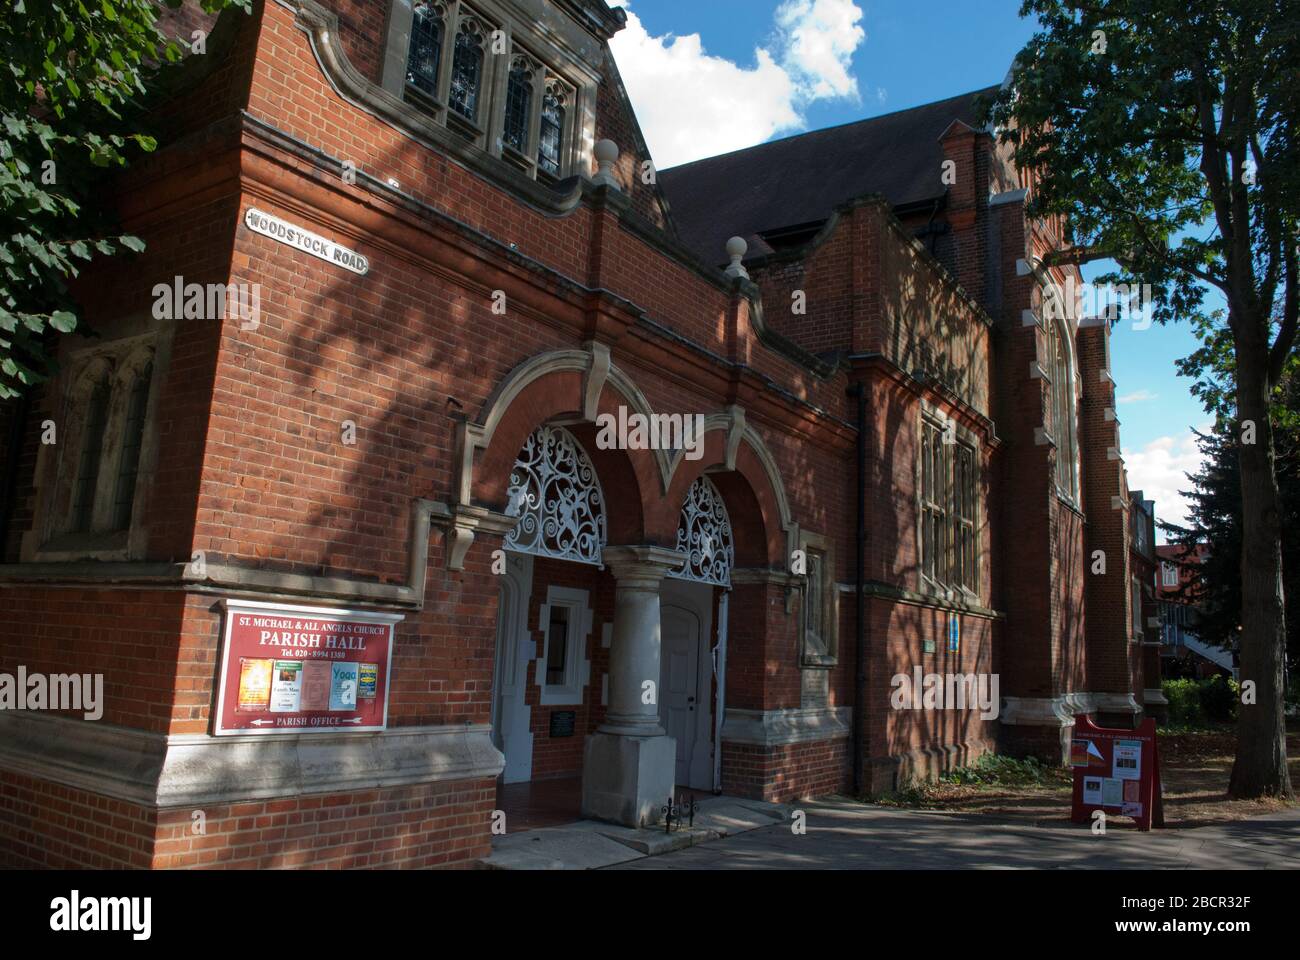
pixel 1116 771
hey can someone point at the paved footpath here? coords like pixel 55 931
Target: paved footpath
pixel 849 836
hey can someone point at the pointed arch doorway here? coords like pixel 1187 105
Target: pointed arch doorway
pixel 693 618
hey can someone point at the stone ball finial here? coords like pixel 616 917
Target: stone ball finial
pixel 736 249
pixel 606 152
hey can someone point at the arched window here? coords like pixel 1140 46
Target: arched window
pixel 467 69
pixel 1063 413
pixel 519 103
pixel 92 455
pixel 556 495
pixel 424 56
pixel 704 534
pixel 128 464
pixel 550 141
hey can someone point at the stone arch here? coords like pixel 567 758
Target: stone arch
pixel 740 464
pixel 565 388
pixel 557 495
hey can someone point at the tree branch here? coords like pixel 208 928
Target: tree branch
pixel 1281 348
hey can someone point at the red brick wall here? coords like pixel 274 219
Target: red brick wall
pixel 50 825
pixel 919 743
pixel 795 771
pixel 428 825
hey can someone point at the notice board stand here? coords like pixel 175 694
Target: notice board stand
pixel 1116 771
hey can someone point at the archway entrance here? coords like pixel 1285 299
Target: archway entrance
pixel 693 649
pixel 542 692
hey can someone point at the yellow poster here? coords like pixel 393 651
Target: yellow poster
pixel 254 685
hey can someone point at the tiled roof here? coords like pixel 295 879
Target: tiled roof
pixel 801 179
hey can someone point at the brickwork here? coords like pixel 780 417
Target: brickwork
pixel 295 448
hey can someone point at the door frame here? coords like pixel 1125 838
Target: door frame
pixel 697 598
pixel 515 649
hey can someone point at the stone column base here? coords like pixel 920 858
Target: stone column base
pixel 627 779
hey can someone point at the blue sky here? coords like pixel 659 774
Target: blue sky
pixel 710 76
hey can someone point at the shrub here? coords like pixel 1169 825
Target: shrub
pixel 1219 698
pixel 1184 698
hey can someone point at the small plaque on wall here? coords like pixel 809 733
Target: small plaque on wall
pixel 929 646
pixel 563 722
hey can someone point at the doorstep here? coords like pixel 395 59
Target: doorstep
pixel 592 844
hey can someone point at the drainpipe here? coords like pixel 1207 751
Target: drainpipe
pixel 860 654
pixel 18 427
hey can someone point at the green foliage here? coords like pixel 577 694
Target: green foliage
pixel 1163 130
pixel 1219 698
pixel 1184 698
pixel 1214 518
pixel 992 768
pixel 73 81
pixel 1162 135
pixel 1198 704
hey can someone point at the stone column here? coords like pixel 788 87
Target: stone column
pixel 629 763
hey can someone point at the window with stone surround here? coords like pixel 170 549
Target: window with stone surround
pixel 820 647
pixel 488 80
pixel 948 494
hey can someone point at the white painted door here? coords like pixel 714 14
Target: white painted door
pixel 679 687
pixel 685 684
pixel 511 716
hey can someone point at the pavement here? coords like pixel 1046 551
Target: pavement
pixel 735 834
pixel 591 844
pixel 842 835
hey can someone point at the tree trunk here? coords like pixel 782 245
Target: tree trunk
pixel 1260 768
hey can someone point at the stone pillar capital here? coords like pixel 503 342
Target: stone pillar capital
pixel 641 567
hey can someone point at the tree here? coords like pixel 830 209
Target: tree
pixel 1163 131
pixel 73 88
pixel 1214 520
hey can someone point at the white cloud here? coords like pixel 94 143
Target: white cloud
pixel 1160 471
pixel 1137 396
pixel 818 38
pixel 691 104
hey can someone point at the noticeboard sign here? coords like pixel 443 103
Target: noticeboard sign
pixel 1116 771
pixel 291 669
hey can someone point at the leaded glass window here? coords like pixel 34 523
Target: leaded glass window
pixel 1063 413
pixel 934 502
pixel 467 69
pixel 519 103
pixel 551 136
pixel 424 55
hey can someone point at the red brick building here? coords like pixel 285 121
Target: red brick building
pixel 440 282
